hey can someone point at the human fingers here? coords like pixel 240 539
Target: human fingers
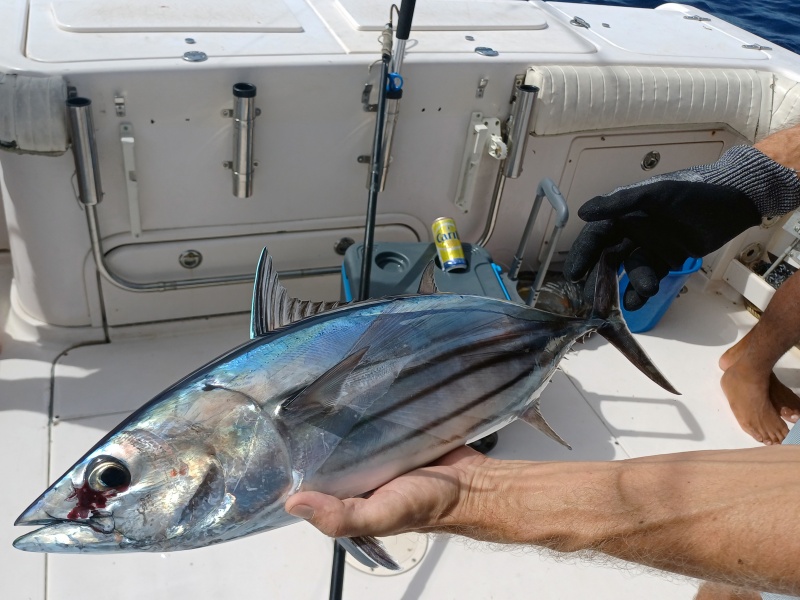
pixel 417 500
pixel 645 271
pixel 616 254
pixel 617 204
pixel 387 514
pixel 587 248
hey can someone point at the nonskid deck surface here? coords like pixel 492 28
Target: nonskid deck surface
pixel 599 403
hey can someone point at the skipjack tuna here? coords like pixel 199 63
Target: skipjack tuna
pixel 334 399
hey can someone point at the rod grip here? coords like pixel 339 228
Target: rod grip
pixel 405 18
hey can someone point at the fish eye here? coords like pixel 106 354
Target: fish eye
pixel 107 473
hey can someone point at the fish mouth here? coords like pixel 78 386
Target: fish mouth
pixel 93 534
pixel 65 536
pixel 100 520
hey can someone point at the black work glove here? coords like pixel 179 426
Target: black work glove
pixel 655 225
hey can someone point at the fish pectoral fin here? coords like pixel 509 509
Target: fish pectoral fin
pixel 533 417
pixel 321 394
pixel 427 284
pixel 369 551
pixel 272 306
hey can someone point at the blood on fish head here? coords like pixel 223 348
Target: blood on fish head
pixel 159 482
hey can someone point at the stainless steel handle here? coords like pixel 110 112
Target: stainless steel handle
pixel 546 188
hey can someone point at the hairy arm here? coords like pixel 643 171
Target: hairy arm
pixel 728 516
pixel 783 147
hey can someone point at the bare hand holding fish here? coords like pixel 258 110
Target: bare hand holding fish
pixel 713 515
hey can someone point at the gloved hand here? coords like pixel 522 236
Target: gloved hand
pixel 655 225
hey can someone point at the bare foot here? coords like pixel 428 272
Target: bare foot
pixel 749 396
pixel 734 353
pixel 785 401
pixel 720 591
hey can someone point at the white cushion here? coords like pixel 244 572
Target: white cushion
pixel 785 105
pixel 587 98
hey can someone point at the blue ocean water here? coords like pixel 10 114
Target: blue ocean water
pixel 775 20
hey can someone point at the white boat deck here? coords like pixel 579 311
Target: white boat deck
pixel 599 403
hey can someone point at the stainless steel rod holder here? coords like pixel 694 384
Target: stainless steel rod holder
pixel 244 118
pixel 84 149
pixel 546 189
pixel 518 128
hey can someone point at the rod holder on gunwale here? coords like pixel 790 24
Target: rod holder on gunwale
pixel 244 118
pixel 519 126
pixel 84 149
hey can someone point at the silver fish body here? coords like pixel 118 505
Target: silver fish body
pixel 339 402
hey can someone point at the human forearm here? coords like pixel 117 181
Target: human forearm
pixel 721 516
pixel 783 147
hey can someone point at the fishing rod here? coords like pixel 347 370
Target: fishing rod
pixel 375 175
pixel 393 97
pixel 389 88
pixel 389 91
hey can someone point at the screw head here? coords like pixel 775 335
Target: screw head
pixel 343 244
pixel 651 160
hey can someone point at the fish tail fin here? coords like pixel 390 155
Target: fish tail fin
pixel 606 309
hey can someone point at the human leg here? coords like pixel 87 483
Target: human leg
pixel 758 399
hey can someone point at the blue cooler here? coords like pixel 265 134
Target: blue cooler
pixel 650 314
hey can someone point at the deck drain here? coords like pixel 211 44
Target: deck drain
pixel 407 549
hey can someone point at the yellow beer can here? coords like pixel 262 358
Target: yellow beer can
pixel 448 245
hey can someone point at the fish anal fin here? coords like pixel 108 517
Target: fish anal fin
pixel 369 551
pixel 427 284
pixel 322 393
pixel 272 306
pixel 533 417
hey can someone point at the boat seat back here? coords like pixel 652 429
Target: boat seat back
pixel 588 98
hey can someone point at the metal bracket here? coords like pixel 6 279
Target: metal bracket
pixel 228 113
pixel 366 93
pixel 519 79
pixel 755 47
pixel 119 105
pixel 483 138
pixel 482 83
pixel 131 180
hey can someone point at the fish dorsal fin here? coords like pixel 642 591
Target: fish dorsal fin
pixel 427 285
pixel 533 417
pixel 322 393
pixel 273 308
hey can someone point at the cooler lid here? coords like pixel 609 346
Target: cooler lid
pixel 110 30
pixel 114 16
pixel 449 15
pixel 662 33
